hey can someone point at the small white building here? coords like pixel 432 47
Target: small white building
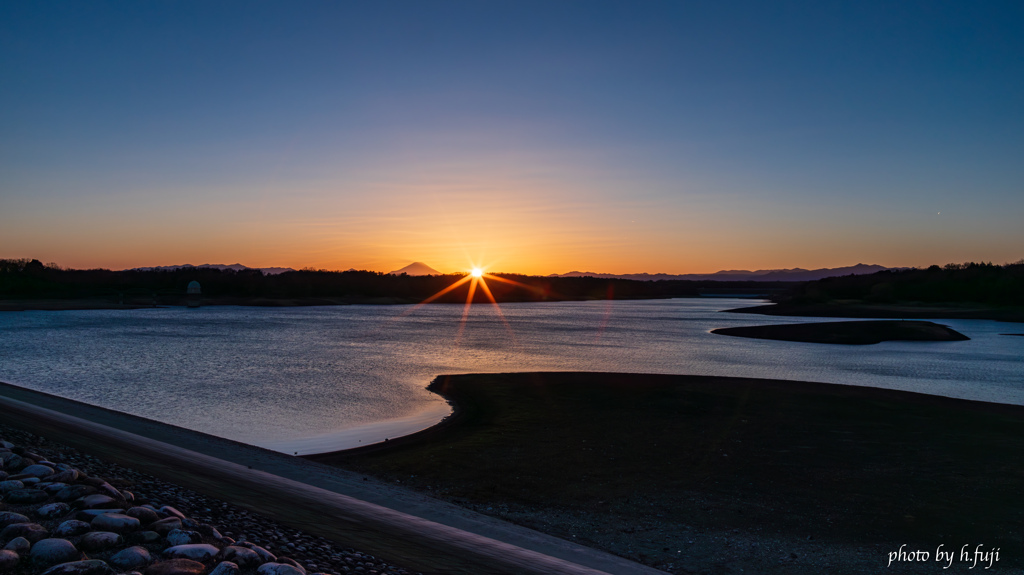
pixel 193 297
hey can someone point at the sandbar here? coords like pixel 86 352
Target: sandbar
pixel 848 332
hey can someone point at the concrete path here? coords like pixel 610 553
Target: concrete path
pixel 393 523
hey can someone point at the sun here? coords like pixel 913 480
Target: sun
pixel 477 278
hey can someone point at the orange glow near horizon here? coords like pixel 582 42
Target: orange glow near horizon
pixel 518 224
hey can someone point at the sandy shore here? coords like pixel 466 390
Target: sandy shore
pixel 724 475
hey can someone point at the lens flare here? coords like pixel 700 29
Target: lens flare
pixel 477 278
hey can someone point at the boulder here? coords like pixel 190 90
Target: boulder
pixel 182 537
pixel 49 552
pixel 241 556
pixel 165 526
pixel 31 531
pixel 9 517
pixel 143 514
pixel 265 556
pixel 175 567
pixel 87 567
pixel 195 551
pixel 26 496
pixel 131 558
pixel 71 528
pixel 53 510
pixel 143 537
pixel 280 569
pixel 12 461
pixel 19 545
pixel 99 540
pixel 72 492
pixel 292 562
pixel 10 485
pixel 209 531
pixel 8 560
pixel 225 568
pixel 116 522
pixel 37 470
pixel 172 512
pixel 96 501
pixel 110 491
pixel 90 514
pixel 53 488
pixel 63 476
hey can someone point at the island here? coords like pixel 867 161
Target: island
pixel 848 332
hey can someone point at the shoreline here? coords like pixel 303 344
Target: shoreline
pixel 373 433
pixel 886 311
pixel 99 304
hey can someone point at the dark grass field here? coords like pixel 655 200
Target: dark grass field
pixel 703 474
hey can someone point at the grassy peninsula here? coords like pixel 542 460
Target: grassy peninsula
pixel 955 291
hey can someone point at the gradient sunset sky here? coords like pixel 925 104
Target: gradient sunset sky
pixel 534 137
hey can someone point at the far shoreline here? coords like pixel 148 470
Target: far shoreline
pixel 860 310
pixel 85 304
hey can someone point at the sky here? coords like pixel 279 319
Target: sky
pixel 530 137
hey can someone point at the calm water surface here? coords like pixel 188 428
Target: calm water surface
pixel 323 378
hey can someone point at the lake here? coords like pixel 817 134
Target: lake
pixel 314 379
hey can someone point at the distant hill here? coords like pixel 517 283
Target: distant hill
pixel 783 275
pixel 416 269
pixel 235 267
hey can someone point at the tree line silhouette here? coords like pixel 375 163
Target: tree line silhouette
pixel 972 282
pixel 22 279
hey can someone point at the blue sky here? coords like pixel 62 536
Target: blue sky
pixel 537 137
